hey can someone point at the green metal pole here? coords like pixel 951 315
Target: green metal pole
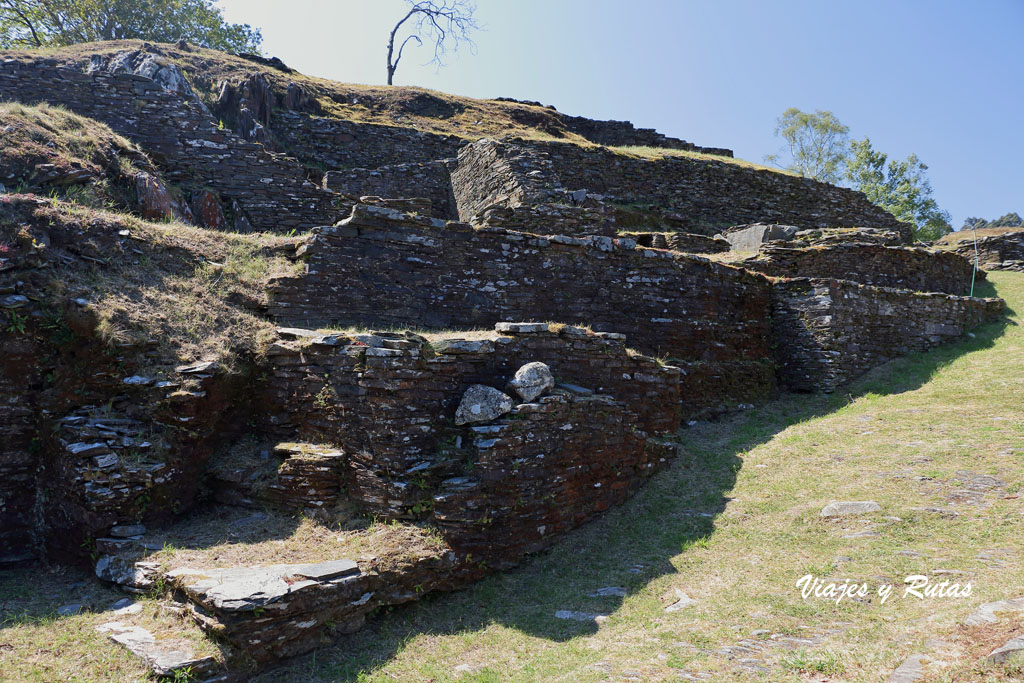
pixel 975 271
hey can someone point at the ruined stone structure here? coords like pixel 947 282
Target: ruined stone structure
pixel 994 252
pixel 426 275
pixel 830 331
pixel 913 268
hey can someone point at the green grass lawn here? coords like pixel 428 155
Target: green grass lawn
pixel 733 524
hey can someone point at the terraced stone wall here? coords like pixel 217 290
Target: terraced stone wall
pixel 914 268
pixel 995 252
pixel 829 332
pixel 708 195
pixel 430 180
pixel 384 269
pixel 260 189
pixel 389 402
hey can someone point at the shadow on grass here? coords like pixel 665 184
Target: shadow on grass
pixel 628 547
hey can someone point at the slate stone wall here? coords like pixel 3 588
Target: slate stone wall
pixel 829 332
pixel 390 405
pixel 707 196
pixel 995 252
pixel 913 268
pixel 384 269
pixel 19 446
pixel 270 191
pixel 338 145
pixel 548 468
pixel 430 180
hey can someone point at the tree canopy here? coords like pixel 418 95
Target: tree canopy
pixel 53 23
pixel 899 187
pixel 1010 220
pixel 816 144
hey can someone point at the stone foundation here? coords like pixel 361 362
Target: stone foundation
pixel 913 268
pixel 829 332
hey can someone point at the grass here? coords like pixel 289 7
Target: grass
pixel 53 136
pixel 657 153
pixel 197 292
pixel 734 523
pixel 968 235
pixel 38 645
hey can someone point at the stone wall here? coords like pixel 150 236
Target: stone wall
pixel 430 180
pixel 20 377
pixel 384 269
pixel 389 401
pixel 995 252
pixel 914 268
pixel 685 242
pixel 335 144
pixel 261 190
pixel 709 195
pixel 829 332
pixel 547 468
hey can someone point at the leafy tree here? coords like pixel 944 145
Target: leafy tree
pixel 1010 220
pixel 441 22
pixel 899 187
pixel 816 144
pixel 47 23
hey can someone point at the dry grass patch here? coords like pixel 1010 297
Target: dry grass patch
pixel 657 153
pixel 36 644
pixel 228 537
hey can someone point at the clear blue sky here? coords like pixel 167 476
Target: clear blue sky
pixel 940 78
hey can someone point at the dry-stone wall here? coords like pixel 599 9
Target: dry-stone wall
pixel 995 252
pixel 386 269
pixel 389 401
pixel 430 180
pixel 914 268
pixel 708 195
pixel 545 469
pixel 263 190
pixel 830 331
pixel 19 375
pixel 337 145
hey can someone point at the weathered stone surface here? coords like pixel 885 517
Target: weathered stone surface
pixel 751 237
pixel 909 671
pixel 165 658
pixel 683 601
pixel 831 331
pixel 208 211
pixel 482 404
pixel 156 202
pixel 847 508
pixel 913 268
pixel 990 611
pixel 680 306
pixel 532 380
pixel 127 531
pixel 1012 648
pixel 994 252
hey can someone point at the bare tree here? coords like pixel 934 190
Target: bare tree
pixel 442 21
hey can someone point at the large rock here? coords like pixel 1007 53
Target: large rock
pixel 167 657
pixel 483 404
pixel 532 380
pixel 156 203
pixel 852 507
pixel 1012 648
